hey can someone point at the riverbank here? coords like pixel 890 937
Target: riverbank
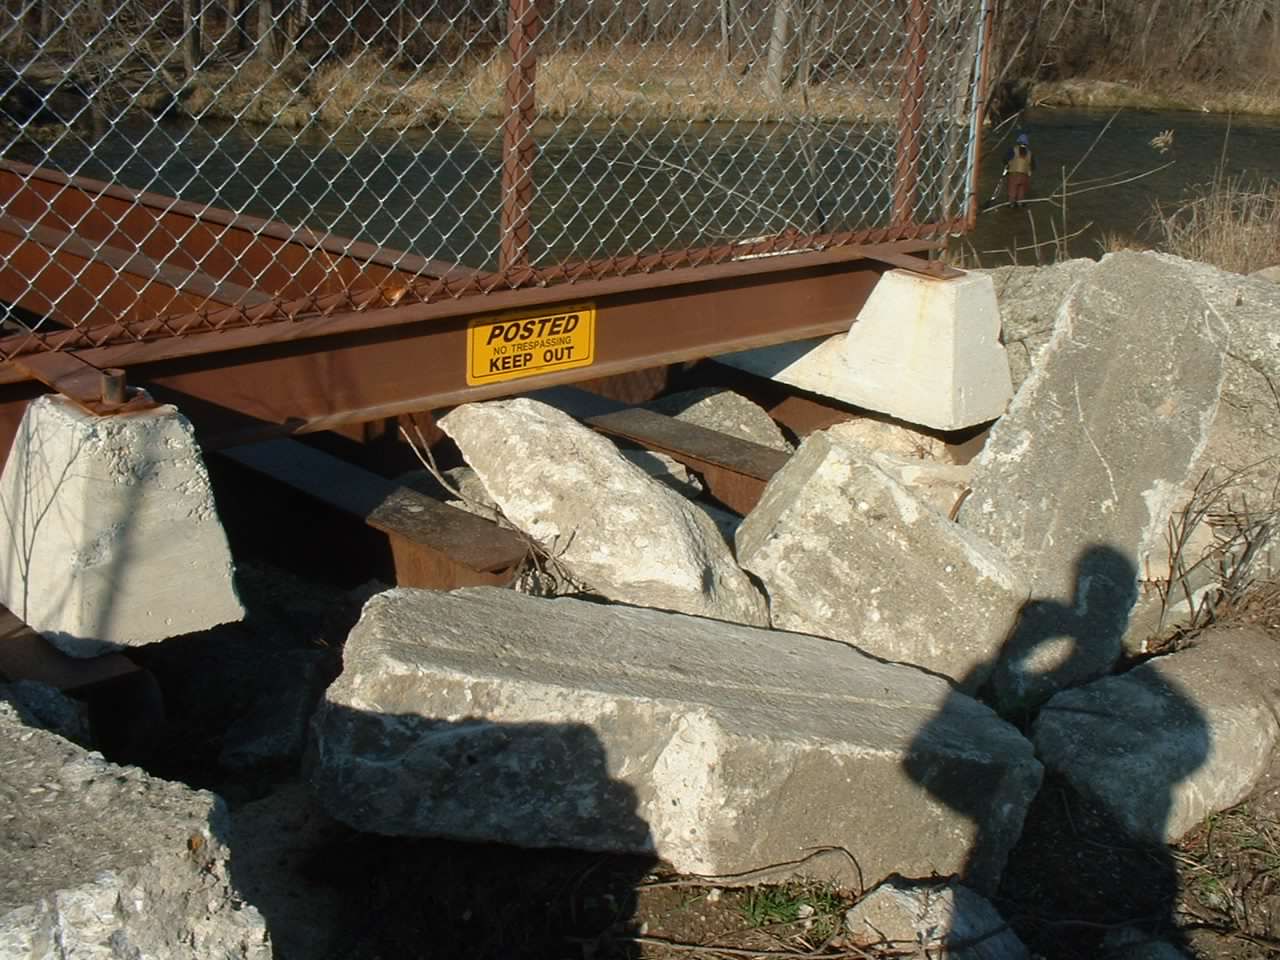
pixel 1083 92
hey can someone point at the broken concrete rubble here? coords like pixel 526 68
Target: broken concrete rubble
pixel 845 551
pixel 948 919
pixel 1173 740
pixel 1061 485
pixel 490 716
pixel 601 518
pixel 100 514
pixel 108 862
pixel 725 412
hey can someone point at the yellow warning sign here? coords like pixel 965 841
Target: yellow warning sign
pixel 523 344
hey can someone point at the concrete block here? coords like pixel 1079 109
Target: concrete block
pixel 1080 477
pixel 111 538
pixel 922 350
pixel 486 715
pixel 1170 742
pixel 604 520
pixel 99 862
pixel 846 551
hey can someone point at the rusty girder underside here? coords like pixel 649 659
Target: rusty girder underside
pixel 254 328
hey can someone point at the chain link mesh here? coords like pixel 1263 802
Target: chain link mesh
pixel 487 144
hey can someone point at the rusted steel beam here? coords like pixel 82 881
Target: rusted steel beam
pixel 910 113
pixel 656 287
pixel 369 374
pixel 25 655
pixel 519 148
pixel 433 545
pixel 734 470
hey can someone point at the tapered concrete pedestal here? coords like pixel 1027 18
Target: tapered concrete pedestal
pixel 108 533
pixel 922 350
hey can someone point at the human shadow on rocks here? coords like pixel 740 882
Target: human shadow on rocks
pixel 1084 864
pixel 488 873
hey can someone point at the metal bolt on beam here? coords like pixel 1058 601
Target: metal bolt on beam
pixel 114 390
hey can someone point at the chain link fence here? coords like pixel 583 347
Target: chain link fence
pixel 487 144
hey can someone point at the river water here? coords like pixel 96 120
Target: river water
pixel 435 192
pixel 1095 152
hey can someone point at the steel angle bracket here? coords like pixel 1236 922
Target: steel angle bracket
pixel 933 269
pixel 96 391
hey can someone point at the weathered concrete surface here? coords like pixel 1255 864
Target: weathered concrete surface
pixel 1029 299
pixel 940 485
pixel 1063 486
pixel 845 551
pixel 101 861
pixel 935 919
pixel 922 350
pixel 111 538
pixel 726 412
pixel 604 519
pixel 1174 740
pixel 665 470
pixel 928 351
pixel 486 715
pixel 1245 440
pixel 879 436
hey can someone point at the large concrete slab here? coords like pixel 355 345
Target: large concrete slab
pixel 1174 740
pixel 604 520
pixel 491 716
pixel 1079 478
pixel 110 534
pixel 923 350
pixel 99 862
pixel 1029 299
pixel 845 551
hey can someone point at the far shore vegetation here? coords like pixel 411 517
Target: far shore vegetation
pixel 407 63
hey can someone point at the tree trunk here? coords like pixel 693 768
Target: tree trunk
pixel 266 33
pixel 776 70
pixel 726 33
pixel 190 37
pixel 654 12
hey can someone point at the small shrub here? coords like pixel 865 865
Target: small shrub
pixel 1230 223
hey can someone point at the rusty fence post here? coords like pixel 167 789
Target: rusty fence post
pixel 910 114
pixel 519 149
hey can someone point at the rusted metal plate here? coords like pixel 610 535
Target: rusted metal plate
pixel 434 545
pixel 100 392
pixel 271 257
pixel 25 655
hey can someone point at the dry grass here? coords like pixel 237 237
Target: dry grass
pixel 668 83
pixel 632 82
pixel 1230 224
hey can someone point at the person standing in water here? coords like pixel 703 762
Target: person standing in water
pixel 1019 164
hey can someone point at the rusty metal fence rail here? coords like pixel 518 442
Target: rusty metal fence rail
pixel 420 150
